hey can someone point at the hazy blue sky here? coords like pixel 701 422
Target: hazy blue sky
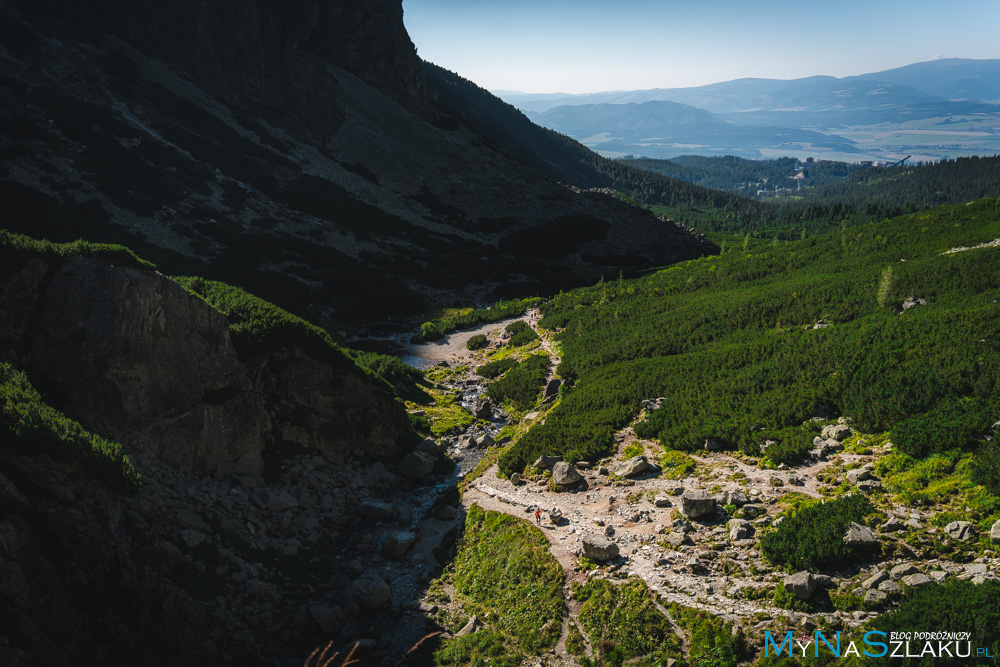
pixel 588 46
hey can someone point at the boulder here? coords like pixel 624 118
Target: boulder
pixel 737 498
pixel 903 570
pixel 546 462
pixel 695 504
pixel 599 548
pixel 326 617
pixel 552 388
pixel 664 501
pixel 484 410
pixel 858 475
pixel 713 445
pixel 376 509
pixel 676 539
pixel 913 302
pixel 890 587
pixel 874 580
pixel 564 474
pixel 515 479
pixel 740 529
pixel 556 516
pixel 484 440
pixel 416 465
pixel 469 628
pixel 860 536
pixel 838 432
pixel 371 592
pixel 963 531
pixel 396 544
pixel 995 532
pixel 801 585
pixel 876 598
pixel 634 466
pixel 918 579
pixel 279 501
pixel 891 526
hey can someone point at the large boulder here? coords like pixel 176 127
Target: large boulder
pixel 859 475
pixel 995 532
pixel 371 592
pixel 903 570
pixel 801 585
pixel 838 432
pixel 546 462
pixel 376 509
pixel 599 548
pixel 634 466
pixel 416 466
pixel 695 504
pixel 397 544
pixel 740 529
pixel 860 536
pixel 564 473
pixel 738 498
pixel 963 531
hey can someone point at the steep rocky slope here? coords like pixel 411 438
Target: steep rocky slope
pixel 298 150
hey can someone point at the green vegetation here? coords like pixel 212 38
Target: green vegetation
pixel 14 245
pixel 712 641
pixel 502 310
pixel 505 575
pixel 522 384
pixel 729 342
pixel 813 537
pixel 258 326
pixel 477 342
pixel 30 427
pixel 623 624
pixel 676 465
pixel 520 333
pixel 497 368
pixel 958 606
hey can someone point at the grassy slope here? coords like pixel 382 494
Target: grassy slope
pixel 728 341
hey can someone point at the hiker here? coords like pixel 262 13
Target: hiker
pixel 538 516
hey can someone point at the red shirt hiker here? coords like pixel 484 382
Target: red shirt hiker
pixel 538 516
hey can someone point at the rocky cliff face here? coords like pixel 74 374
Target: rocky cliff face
pixel 298 150
pixel 136 358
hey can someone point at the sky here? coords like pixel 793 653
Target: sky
pixel 548 46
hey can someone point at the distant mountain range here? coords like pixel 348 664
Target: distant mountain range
pixel 939 98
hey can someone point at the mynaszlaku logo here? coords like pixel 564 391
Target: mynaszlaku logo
pixel 878 644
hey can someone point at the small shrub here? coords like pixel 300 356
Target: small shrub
pixel 477 342
pixel 676 465
pixel 495 369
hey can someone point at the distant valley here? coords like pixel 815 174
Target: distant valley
pixel 940 109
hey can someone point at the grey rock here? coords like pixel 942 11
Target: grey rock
pixel 469 628
pixel 447 513
pixel 546 462
pixel 740 529
pixel 484 440
pixel 890 587
pixel 891 526
pixel 599 548
pixel 869 486
pixel 963 531
pixel 903 570
pixel 634 466
pixel 396 544
pixel 515 479
pixel 913 302
pixel 376 509
pixel 713 445
pixel 912 523
pixel 918 579
pixel 416 466
pixel 858 475
pixel 484 410
pixel 995 532
pixel 695 504
pixel 676 540
pixel 737 498
pixel 552 388
pixel 874 580
pixel 860 536
pixel 279 501
pixel 371 592
pixel 192 538
pixel 664 501
pixel 564 474
pixel 876 598
pixel 838 432
pixel 938 575
pixel 801 585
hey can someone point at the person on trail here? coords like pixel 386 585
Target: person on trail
pixel 538 516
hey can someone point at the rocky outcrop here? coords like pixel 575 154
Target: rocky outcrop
pixel 632 467
pixel 697 504
pixel 137 359
pixel 801 585
pixel 564 474
pixel 963 531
